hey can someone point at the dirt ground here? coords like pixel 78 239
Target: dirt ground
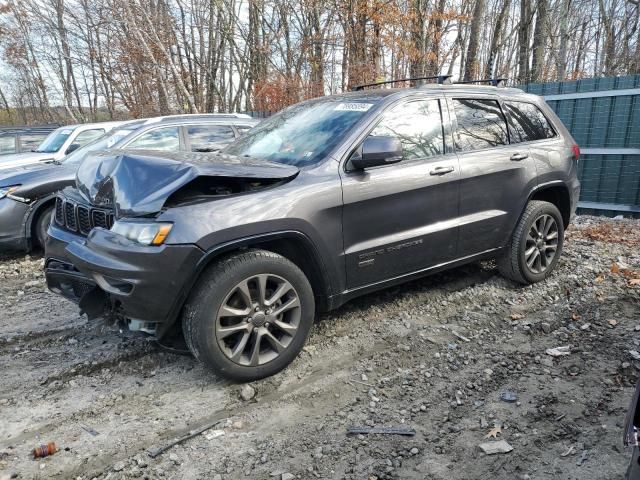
pixel 434 355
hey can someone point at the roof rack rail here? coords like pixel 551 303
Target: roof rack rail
pixel 442 79
pixel 495 82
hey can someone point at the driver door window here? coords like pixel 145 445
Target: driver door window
pixel 166 139
pixel 418 126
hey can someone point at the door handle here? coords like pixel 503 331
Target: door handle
pixel 441 170
pixel 516 157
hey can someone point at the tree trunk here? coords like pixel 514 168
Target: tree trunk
pixel 472 67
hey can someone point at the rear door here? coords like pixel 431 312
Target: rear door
pixel 401 218
pixel 495 177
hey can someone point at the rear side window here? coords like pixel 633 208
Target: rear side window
pixel 7 144
pixel 527 122
pixel 166 139
pixel 418 125
pixel 208 138
pixel 242 129
pixel 87 136
pixel 481 124
pixel 30 141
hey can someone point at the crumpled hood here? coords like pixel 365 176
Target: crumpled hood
pixel 137 183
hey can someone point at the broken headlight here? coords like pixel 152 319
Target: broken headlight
pixel 5 191
pixel 146 233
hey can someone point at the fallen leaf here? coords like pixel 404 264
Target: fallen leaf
pixel 516 316
pixel 613 322
pixel 599 279
pixel 634 282
pixel 615 268
pixel 575 316
pixel 494 432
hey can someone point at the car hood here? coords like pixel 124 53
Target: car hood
pixel 139 183
pixel 17 159
pixel 30 176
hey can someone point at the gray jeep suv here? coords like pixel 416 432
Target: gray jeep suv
pixel 327 200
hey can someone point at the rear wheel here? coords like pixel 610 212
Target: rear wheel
pixel 536 244
pixel 249 315
pixel 42 225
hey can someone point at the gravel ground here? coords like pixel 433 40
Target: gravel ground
pixel 434 355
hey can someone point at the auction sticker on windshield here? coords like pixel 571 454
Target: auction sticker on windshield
pixel 354 107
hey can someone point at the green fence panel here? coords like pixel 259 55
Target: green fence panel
pixel 603 121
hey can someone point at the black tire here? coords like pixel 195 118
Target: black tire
pixel 201 321
pixel 41 226
pixel 513 263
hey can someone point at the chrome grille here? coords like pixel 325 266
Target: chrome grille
pixel 81 218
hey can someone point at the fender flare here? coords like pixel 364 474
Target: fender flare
pixel 532 192
pixel 34 209
pixel 217 251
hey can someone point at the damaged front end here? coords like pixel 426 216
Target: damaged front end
pixel 108 251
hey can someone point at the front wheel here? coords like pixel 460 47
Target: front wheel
pixel 249 315
pixel 536 244
pixel 42 225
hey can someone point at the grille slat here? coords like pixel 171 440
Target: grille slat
pixel 70 216
pixel 81 218
pixel 59 211
pixel 84 220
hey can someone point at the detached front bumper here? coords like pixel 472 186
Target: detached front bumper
pixel 143 283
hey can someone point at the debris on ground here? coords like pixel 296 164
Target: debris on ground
pixel 559 351
pixel 44 450
pixel 380 431
pixel 494 432
pixel 491 448
pixel 509 396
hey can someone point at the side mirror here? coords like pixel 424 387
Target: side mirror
pixel 377 151
pixel 73 147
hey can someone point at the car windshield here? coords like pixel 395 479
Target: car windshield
pixel 102 143
pixel 302 134
pixel 54 141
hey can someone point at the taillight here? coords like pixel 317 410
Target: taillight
pixel 576 152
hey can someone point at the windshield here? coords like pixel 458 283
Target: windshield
pixel 302 134
pixel 104 142
pixel 55 140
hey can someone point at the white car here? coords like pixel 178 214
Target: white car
pixel 59 143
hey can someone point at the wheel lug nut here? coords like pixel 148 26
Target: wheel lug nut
pixel 255 330
pixel 266 324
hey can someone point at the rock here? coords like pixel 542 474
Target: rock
pixel 491 448
pixel 546 328
pixel 586 326
pixel 247 392
pixel 217 476
pixel 174 458
pixel 287 476
pixel 119 466
pixel 414 451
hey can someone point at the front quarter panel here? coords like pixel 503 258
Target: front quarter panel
pixel 310 204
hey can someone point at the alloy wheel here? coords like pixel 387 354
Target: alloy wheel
pixel 258 319
pixel 542 244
